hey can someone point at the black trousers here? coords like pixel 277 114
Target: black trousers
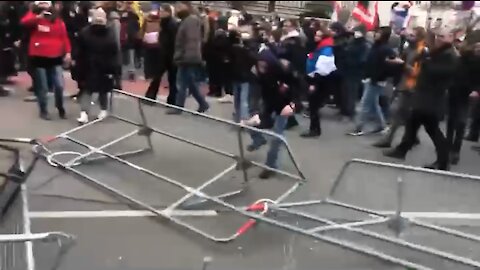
pixel 456 124
pixel 431 123
pixel 219 78
pixel 154 86
pixel 317 99
pixel 474 128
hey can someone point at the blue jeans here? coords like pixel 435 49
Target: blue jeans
pixel 370 106
pixel 188 79
pixel 259 140
pixel 43 77
pixel 240 100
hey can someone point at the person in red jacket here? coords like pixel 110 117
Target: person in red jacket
pixel 48 49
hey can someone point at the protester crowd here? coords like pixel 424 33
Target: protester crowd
pixel 271 71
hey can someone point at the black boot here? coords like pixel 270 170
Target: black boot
pixel 62 114
pixel 472 137
pixel 438 166
pixel 383 143
pixel 395 153
pixel 454 158
pixel 311 134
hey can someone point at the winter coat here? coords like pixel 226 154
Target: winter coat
pixel 356 53
pixel 48 39
pixel 377 67
pixel 98 54
pixel 167 39
pixel 275 96
pixel 188 42
pixel 437 72
pixel 10 28
pixel 242 60
pixel 467 78
pixel 294 51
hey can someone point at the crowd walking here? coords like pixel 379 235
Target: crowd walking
pixel 273 71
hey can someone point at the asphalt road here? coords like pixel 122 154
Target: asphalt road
pixel 143 243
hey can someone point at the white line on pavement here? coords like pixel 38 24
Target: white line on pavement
pixel 436 215
pixel 119 213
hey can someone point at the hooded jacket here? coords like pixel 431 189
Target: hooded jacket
pixel 48 39
pixel 98 53
pixel 321 61
pixel 293 50
pixel 356 53
pixel 377 67
pixel 437 72
pixel 276 83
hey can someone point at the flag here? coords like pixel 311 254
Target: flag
pixel 366 12
pixel 337 5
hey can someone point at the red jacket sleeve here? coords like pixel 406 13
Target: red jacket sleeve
pixel 29 20
pixel 65 39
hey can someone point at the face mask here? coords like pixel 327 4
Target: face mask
pixel 357 34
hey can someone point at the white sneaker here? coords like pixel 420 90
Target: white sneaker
pixel 253 122
pixel 102 115
pixel 226 99
pixel 83 119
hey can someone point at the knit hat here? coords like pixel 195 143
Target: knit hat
pixel 49 3
pixel 99 17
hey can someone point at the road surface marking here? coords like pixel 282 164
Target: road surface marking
pixel 436 215
pixel 119 213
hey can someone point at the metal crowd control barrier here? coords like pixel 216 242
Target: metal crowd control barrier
pixel 193 195
pixel 16 237
pixel 388 227
pixel 377 229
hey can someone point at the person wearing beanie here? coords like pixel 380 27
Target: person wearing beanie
pixel 437 74
pixel 49 48
pixel 377 72
pixel 356 52
pixel 410 70
pixel 97 63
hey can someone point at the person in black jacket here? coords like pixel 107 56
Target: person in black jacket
pixel 10 33
pixel 76 21
pixel 279 98
pixel 436 75
pixel 466 81
pixel 166 42
pixel 356 52
pixel 242 60
pixel 377 73
pixel 97 63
